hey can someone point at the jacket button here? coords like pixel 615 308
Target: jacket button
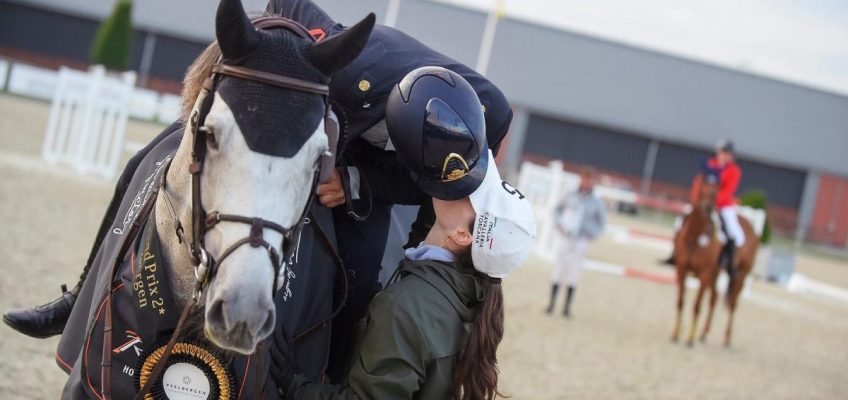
pixel 364 85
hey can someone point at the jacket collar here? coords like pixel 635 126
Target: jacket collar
pixel 463 290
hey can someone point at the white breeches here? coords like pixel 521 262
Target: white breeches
pixel 569 260
pixel 731 224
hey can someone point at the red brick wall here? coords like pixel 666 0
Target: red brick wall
pixel 830 216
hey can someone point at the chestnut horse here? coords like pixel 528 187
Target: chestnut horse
pixel 697 250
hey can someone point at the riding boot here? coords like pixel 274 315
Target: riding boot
pixel 670 260
pixel 47 319
pixel 729 258
pixel 554 291
pixel 566 312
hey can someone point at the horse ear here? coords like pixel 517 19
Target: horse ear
pixel 337 51
pixel 234 31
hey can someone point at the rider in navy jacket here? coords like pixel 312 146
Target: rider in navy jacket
pixel 359 93
pixel 372 178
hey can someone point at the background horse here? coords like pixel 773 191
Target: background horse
pixel 256 161
pixel 697 249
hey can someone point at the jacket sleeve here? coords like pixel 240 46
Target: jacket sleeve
pixel 600 218
pixel 382 174
pixel 391 362
pixel 391 183
pixel 727 187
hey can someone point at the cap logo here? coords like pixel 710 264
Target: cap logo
pixel 484 230
pixel 454 167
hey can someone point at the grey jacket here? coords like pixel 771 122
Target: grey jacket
pixel 581 215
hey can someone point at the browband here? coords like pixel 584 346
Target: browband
pixel 272 79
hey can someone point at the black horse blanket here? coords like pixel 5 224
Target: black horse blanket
pixel 145 313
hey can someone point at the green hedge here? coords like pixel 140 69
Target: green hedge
pixel 111 46
pixel 757 199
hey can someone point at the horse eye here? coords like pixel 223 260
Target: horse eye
pixel 210 138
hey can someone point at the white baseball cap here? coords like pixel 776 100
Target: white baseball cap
pixel 504 228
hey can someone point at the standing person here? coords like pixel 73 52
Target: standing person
pixel 433 333
pixel 580 219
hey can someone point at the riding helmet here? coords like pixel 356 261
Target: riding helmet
pixel 725 145
pixel 435 122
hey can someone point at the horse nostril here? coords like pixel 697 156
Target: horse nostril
pixel 216 315
pixel 268 325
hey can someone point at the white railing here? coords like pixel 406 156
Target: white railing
pixel 545 187
pixel 26 80
pixel 88 117
pixel 4 71
pixel 40 83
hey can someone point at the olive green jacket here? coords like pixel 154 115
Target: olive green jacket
pixel 410 339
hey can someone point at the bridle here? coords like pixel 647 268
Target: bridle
pixel 205 265
pixel 202 137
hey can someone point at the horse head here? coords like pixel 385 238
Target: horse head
pixel 707 190
pixel 263 146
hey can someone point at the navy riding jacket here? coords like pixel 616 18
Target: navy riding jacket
pixel 360 91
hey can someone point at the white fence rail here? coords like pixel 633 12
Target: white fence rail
pixel 88 113
pixel 88 117
pixel 4 72
pixel 30 81
pixel 545 187
pixel 40 83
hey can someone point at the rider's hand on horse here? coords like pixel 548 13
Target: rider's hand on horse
pixel 331 194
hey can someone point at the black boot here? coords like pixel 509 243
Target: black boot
pixel 728 257
pixel 568 295
pixel 554 291
pixel 45 320
pixel 669 260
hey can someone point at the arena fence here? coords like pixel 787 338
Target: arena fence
pixel 88 113
pixel 88 117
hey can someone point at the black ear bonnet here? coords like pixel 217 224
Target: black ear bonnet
pixel 273 120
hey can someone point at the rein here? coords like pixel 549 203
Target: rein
pixel 206 265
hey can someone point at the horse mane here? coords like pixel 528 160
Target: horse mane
pixel 196 73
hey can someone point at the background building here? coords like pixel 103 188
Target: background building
pixel 647 117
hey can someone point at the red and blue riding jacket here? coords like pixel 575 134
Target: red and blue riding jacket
pixel 728 175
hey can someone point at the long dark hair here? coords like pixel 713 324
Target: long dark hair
pixel 475 376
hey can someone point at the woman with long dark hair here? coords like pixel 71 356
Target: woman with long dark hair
pixel 433 333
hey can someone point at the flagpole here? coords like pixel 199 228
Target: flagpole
pixel 392 10
pixel 488 40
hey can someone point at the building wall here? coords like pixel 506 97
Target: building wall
pixel 830 216
pixel 68 40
